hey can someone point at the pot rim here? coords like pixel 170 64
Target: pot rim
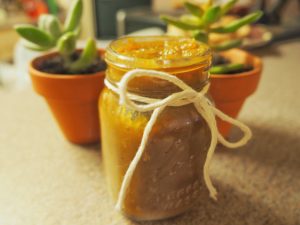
pixel 257 64
pixel 35 72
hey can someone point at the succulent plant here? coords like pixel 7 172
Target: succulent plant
pixel 50 33
pixel 202 21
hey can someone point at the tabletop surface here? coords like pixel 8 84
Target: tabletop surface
pixel 45 180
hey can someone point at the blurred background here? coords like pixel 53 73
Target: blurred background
pixel 46 180
pixel 109 19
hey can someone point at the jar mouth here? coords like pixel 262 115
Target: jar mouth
pixel 157 52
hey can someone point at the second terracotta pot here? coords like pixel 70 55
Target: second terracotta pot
pixel 73 100
pixel 229 91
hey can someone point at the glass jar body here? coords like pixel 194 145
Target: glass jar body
pixel 169 176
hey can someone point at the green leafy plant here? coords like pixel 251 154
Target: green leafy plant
pixel 50 33
pixel 202 21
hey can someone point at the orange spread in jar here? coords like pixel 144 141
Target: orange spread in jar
pixel 161 49
pixel 167 179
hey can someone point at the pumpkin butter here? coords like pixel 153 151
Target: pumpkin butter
pixel 169 177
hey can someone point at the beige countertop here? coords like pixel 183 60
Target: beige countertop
pixel 44 180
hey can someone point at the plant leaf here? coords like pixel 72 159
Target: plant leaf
pixel 74 16
pixel 228 68
pixel 180 24
pixel 86 58
pixel 50 24
pixel 33 47
pixel 42 22
pixel 35 35
pixel 77 31
pixel 190 19
pixel 211 15
pixel 235 25
pixel 194 9
pixel 66 44
pixel 201 36
pixel 228 6
pixel 227 45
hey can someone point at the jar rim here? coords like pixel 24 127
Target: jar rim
pixel 115 58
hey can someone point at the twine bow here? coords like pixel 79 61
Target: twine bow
pixel 187 95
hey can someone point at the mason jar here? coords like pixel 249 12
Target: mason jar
pixel 169 176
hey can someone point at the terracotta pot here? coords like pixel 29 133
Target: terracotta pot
pixel 229 92
pixel 73 100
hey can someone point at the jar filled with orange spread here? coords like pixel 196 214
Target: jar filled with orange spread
pixel 169 176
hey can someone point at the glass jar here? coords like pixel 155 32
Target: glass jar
pixel 168 178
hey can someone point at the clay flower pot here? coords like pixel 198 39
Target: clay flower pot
pixel 73 100
pixel 229 91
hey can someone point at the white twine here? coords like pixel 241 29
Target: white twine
pixel 187 96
